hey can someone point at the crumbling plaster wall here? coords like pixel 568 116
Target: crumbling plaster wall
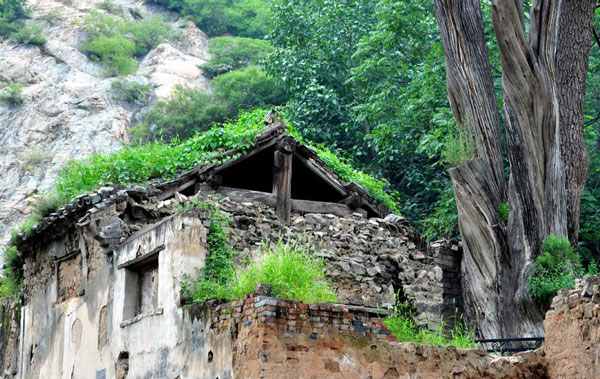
pixel 76 316
pixel 84 336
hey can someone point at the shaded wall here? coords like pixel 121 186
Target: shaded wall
pixel 89 333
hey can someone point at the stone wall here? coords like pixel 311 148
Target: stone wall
pixel 572 325
pixel 371 262
pixel 279 339
pixel 448 255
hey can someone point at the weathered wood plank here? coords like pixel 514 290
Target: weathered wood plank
pixel 299 206
pixel 282 178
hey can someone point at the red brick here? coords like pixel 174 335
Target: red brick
pixel 333 345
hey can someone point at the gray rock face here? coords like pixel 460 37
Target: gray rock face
pixel 69 111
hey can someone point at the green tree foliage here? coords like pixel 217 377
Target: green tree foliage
pixel 12 12
pixel 189 110
pixel 316 42
pixel 232 53
pixel 244 18
pixel 117 42
pixel 369 78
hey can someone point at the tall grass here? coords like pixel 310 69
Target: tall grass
pixel 402 325
pixel 289 268
pixel 460 146
pixel 292 272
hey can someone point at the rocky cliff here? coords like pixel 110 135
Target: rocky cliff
pixel 69 111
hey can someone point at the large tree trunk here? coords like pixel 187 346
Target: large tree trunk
pixel 544 87
pixel 479 184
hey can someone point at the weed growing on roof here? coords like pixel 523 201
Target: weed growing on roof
pixel 137 164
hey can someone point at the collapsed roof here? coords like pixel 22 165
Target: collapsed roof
pixel 309 184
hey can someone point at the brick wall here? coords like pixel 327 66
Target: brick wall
pixel 295 317
pixel 283 339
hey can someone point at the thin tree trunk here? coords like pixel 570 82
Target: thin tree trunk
pixel 576 27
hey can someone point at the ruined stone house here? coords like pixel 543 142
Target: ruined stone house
pixel 103 276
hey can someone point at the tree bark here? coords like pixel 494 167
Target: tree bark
pixel 575 38
pixel 544 88
pixel 543 105
pixel 478 184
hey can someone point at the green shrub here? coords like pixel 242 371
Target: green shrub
pixel 116 42
pixel 503 210
pixel 189 110
pixel 232 53
pixel 130 91
pixel 116 52
pixel 31 34
pixel 554 269
pixel 11 95
pixel 186 112
pixel 147 33
pixel 247 88
pixel 12 12
pixel 244 18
